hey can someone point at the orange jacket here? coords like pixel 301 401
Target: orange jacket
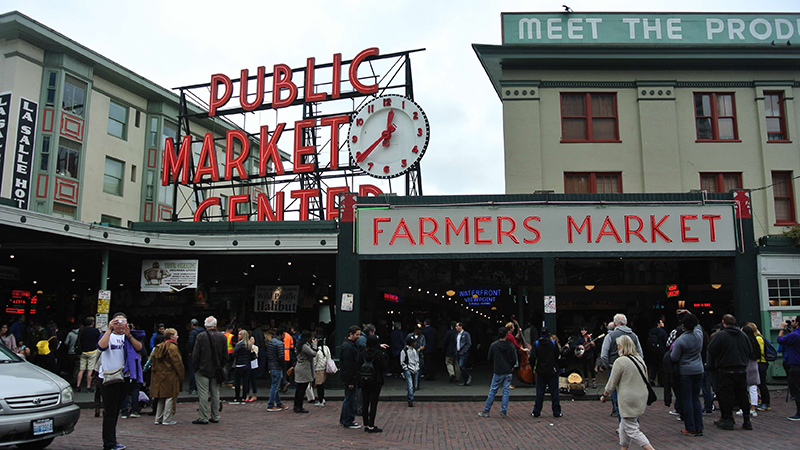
pixel 229 340
pixel 288 345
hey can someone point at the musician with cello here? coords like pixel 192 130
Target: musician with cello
pixel 584 350
pixel 514 336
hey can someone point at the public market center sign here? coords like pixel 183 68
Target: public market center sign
pixel 552 228
pixel 651 28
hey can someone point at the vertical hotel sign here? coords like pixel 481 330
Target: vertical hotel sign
pixel 26 131
pixel 5 106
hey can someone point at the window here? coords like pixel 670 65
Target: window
pixel 783 191
pixel 715 116
pixel 111 220
pixel 118 120
pixel 138 119
pixel 74 96
pixel 68 158
pixel 589 117
pixel 776 122
pixel 592 182
pixel 45 161
pixel 784 291
pixel 112 180
pixel 65 211
pixel 51 88
pixel 720 182
pixel 154 132
pixel 133 173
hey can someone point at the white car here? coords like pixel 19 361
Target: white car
pixel 36 406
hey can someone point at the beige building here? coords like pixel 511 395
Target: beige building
pixel 652 103
pixel 100 130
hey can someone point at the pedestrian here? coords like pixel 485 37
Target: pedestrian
pixel 463 345
pixel 763 365
pixel 686 350
pixel 7 339
pixel 208 358
pixel 409 364
pixel 73 349
pixel 275 364
pixel 255 361
pixel 159 331
pixel 20 329
pixel 628 381
pixel 656 347
pixel 398 341
pixel 304 369
pixel 349 372
pixel 546 353
pixel 167 376
pixel 193 333
pixel 241 366
pixel 288 358
pixel 728 355
pixel 119 360
pixel 753 378
pixel 608 353
pixel 321 366
pixel 503 356
pixel 371 363
pixel 429 353
pixel 790 340
pixel 450 361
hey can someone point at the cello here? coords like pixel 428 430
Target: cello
pixel 525 370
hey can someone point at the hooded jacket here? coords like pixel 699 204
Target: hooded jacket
pixel 609 352
pixel 687 350
pixel 729 350
pixel 504 356
pixel 348 358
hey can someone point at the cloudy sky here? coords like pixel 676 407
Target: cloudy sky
pixel 177 43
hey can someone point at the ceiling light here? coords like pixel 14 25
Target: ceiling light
pixel 290 263
pixel 252 266
pixel 72 270
pixel 34 281
pixel 450 293
pixel 320 301
pixel 716 286
pixel 11 256
pixel 419 290
pixel 589 287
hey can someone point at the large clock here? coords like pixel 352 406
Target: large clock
pixel 388 136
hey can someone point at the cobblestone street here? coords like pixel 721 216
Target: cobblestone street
pixel 429 425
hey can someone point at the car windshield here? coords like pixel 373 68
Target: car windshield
pixel 7 356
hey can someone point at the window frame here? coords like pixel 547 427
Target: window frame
pixel 781 119
pixel 593 181
pixel 715 117
pixel 78 152
pixel 777 298
pixel 587 108
pixel 120 180
pixel 720 180
pixel 790 198
pixel 124 123
pixel 71 108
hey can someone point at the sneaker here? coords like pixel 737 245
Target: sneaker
pixel 614 413
pixel 558 415
pixel 698 433
pixel 688 433
pixel 674 413
pixel 119 447
pixel 213 420
pixel 134 415
pixel 707 413
pixel 319 404
pixel 763 407
pixel 200 422
pixel 193 392
pixel 156 423
pixel 353 426
pixel 323 404
pixel 171 422
pixel 274 409
pixel 753 414
pixel 724 424
pixel 410 404
pixel 235 402
pixel 376 430
pixel 747 425
pixel 535 415
pixel 483 413
pixel 469 380
pixel 301 411
pixel 503 414
pixel 794 417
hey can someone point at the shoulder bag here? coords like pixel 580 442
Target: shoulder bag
pixel 651 395
pixel 219 373
pixel 330 364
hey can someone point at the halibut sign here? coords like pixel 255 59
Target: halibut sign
pixel 516 229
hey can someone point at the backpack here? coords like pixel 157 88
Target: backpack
pixel 654 344
pixel 770 354
pixel 367 374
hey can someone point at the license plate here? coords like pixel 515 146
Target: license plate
pixel 42 426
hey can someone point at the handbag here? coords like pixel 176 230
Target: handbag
pixel 113 376
pixel 651 395
pixel 330 364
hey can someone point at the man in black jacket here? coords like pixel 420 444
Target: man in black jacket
pixel 209 354
pixel 728 356
pixel 430 350
pixel 546 354
pixel 349 371
pixel 196 329
pixel 504 356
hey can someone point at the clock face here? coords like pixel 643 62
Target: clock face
pixel 388 136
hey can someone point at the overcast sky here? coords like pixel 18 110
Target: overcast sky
pixel 177 43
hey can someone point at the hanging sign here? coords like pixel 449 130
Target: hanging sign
pixel 276 299
pixel 5 106
pixel 167 275
pixel 26 131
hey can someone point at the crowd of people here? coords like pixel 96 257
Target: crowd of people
pixel 124 368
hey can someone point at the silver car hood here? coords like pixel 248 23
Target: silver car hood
pixel 23 379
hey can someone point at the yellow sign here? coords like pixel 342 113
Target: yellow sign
pixel 103 301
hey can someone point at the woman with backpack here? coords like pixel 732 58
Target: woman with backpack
pixel 763 365
pixel 304 369
pixel 753 378
pixel 372 364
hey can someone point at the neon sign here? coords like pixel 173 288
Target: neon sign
pixel 672 291
pixel 479 296
pixel 392 297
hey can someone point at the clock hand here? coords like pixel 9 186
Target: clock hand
pixel 385 135
pixel 389 119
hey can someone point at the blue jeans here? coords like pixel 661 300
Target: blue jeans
pixel 497 381
pixel 348 415
pixel 192 380
pixel 708 394
pixel 691 385
pixel 412 383
pixel 552 383
pixel 462 364
pixel 274 394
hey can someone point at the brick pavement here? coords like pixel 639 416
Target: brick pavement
pixel 430 425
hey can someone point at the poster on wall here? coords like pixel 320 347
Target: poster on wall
pixel 168 275
pixel 776 319
pixel 5 105
pixel 276 299
pixel 23 159
pixel 549 304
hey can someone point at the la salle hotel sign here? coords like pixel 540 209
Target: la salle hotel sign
pixel 650 28
pixel 517 229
